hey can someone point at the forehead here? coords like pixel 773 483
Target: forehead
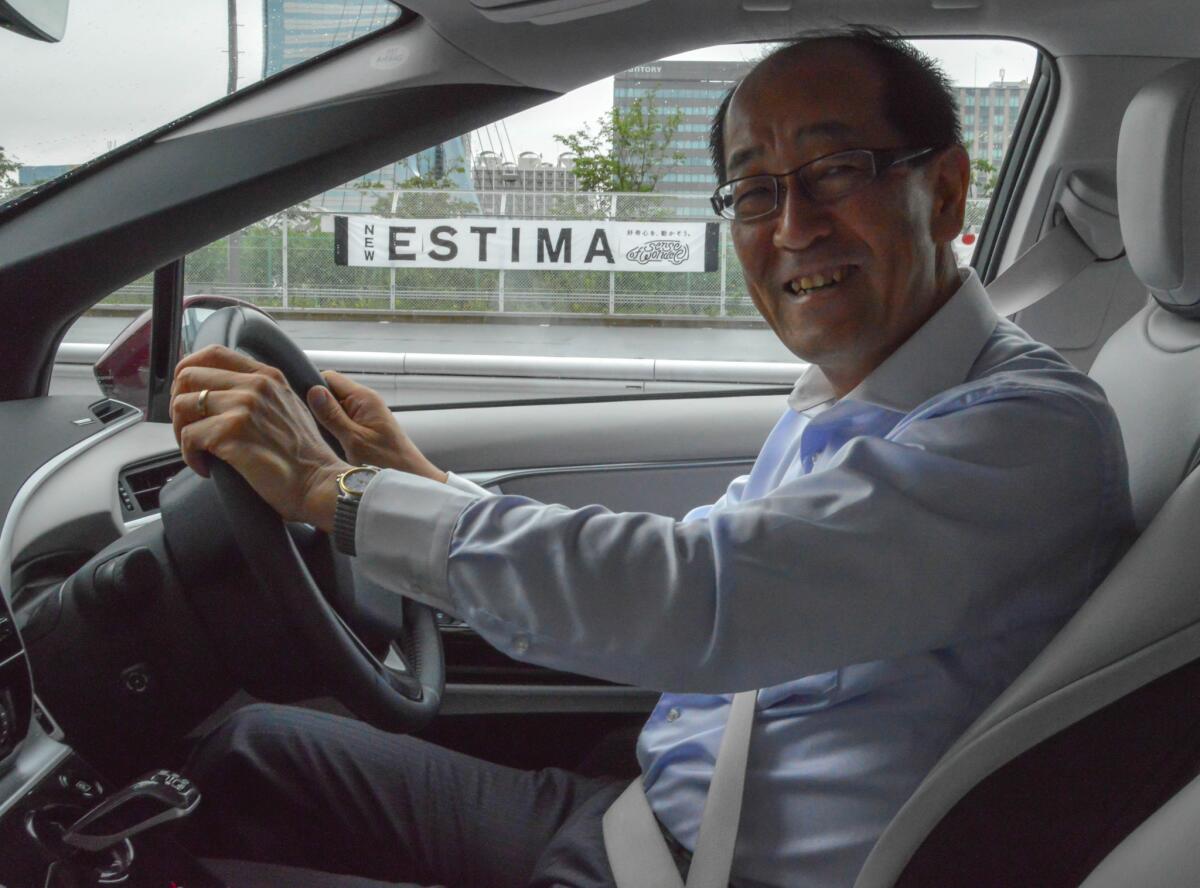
pixel 818 98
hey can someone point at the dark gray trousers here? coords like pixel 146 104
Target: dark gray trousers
pixel 306 789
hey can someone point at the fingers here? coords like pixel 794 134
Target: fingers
pixel 221 358
pixel 187 407
pixel 341 385
pixel 193 441
pixel 201 391
pixel 362 404
pixel 196 379
pixel 329 412
pixel 190 409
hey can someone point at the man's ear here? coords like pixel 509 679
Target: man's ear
pixel 951 174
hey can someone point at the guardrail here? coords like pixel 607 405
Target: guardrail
pixel 521 366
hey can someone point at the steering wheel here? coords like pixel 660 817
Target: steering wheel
pixel 400 693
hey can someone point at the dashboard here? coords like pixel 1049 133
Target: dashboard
pixel 125 677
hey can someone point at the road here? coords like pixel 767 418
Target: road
pixel 538 338
pixel 549 339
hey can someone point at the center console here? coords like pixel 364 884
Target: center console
pixel 61 824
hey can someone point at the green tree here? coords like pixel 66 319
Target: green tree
pixel 983 177
pixel 627 151
pixel 8 166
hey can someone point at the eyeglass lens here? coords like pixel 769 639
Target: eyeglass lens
pixel 824 179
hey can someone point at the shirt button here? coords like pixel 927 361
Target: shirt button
pixel 521 644
pixel 672 714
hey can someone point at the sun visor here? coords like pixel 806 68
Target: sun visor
pixel 548 12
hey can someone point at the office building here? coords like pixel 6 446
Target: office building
pixel 296 30
pixel 693 90
pixel 989 114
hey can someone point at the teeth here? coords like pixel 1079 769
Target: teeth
pixel 814 282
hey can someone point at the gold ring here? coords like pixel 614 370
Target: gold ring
pixel 203 402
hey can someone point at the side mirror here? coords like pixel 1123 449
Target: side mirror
pixel 123 371
pixel 39 19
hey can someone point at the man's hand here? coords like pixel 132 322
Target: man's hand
pixel 252 420
pixel 360 419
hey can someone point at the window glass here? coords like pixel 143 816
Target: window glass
pixel 126 67
pixel 640 269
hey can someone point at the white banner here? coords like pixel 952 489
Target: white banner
pixel 525 245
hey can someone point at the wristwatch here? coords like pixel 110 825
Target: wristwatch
pixel 351 484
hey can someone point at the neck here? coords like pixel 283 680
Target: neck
pixel 845 377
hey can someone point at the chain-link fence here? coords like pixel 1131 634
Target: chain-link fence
pixel 287 261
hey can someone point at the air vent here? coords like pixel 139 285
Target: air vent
pixel 549 12
pixel 107 410
pixel 139 485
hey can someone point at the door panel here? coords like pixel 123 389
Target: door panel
pixel 663 456
pixel 662 488
pixel 640 430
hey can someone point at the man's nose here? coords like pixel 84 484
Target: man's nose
pixel 801 221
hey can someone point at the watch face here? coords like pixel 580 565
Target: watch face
pixel 355 481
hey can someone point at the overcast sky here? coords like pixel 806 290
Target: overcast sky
pixel 126 66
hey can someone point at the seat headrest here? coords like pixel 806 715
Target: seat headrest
pixel 1158 187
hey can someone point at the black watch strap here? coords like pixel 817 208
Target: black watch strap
pixel 345 520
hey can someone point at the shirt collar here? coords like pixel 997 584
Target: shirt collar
pixel 935 358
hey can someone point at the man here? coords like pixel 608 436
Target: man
pixel 940 495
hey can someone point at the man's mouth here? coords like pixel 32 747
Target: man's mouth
pixel 822 280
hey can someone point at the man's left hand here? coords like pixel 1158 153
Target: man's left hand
pixel 252 420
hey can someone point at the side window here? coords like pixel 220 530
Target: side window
pixel 532 258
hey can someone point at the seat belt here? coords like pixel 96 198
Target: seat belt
pixel 1040 270
pixel 637 851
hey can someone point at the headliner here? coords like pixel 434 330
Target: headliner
pixel 562 56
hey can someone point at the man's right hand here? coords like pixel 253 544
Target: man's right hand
pixel 360 419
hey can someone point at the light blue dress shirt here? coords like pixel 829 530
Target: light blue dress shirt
pixel 892 561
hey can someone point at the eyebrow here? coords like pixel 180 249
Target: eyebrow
pixel 824 129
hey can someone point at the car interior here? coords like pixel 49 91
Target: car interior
pixel 137 614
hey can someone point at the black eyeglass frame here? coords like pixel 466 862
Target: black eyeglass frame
pixel 882 159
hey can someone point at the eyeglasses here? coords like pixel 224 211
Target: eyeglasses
pixel 824 180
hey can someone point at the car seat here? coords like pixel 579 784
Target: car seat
pixel 1103 728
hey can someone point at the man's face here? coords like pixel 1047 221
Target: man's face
pixel 887 243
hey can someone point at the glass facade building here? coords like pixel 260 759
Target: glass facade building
pixel 694 90
pixel 296 30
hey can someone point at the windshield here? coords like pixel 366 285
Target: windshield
pixel 125 68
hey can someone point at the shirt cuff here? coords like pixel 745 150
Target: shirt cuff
pixel 402 534
pixel 463 484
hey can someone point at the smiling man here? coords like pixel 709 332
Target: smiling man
pixel 938 497
pixel 845 214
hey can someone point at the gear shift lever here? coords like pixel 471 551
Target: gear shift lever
pixel 159 797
